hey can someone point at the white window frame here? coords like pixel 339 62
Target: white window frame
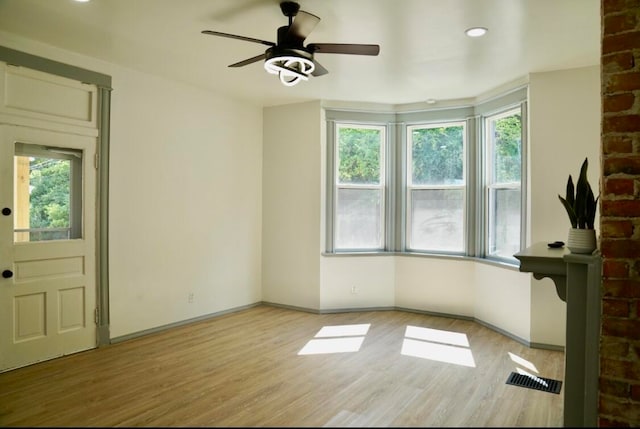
pixel 411 187
pixel 491 187
pixel 380 186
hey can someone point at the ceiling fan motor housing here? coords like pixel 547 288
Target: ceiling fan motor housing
pixel 280 51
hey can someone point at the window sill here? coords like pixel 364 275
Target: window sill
pixel 515 265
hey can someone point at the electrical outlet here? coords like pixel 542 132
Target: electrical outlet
pixel 190 298
pixel 354 290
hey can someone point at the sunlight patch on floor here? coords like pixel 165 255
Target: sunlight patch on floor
pixel 343 330
pixel 438 352
pixel 437 336
pixel 336 339
pixel 523 362
pixel 438 345
pixel 332 345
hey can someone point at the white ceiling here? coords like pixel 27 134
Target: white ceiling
pixel 424 53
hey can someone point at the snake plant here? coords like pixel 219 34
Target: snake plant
pixel 580 202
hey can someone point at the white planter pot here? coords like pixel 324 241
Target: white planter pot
pixel 582 240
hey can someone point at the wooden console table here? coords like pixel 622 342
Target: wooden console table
pixel 578 281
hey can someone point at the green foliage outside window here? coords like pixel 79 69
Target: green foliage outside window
pixel 508 144
pixel 437 156
pixel 49 196
pixel 359 155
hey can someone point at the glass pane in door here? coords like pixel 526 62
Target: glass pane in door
pixel 44 195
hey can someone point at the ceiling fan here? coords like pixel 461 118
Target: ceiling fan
pixel 290 58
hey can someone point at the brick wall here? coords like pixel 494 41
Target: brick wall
pixel 619 397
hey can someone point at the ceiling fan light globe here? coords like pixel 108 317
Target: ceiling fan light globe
pixel 291 69
pixel 286 81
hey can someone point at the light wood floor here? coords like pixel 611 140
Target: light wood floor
pixel 243 369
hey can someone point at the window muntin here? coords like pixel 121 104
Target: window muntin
pixel 503 193
pixel 359 187
pixel 47 193
pixel 436 184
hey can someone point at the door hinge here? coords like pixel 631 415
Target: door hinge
pixel 96 315
pixel 96 160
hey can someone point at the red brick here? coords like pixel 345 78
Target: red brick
pixel 617 144
pixel 611 347
pixel 616 82
pixel 618 23
pixel 621 124
pixel 620 42
pixel 619 186
pixel 612 268
pixel 615 268
pixel 618 102
pixel 614 387
pixel 618 62
pixel 616 228
pixel 616 6
pixel 621 288
pixel 620 369
pixel 626 164
pixel 615 308
pixel 635 392
pixel 623 208
pixel 620 248
pixel 620 409
pixel 604 422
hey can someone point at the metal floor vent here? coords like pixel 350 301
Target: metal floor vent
pixel 533 382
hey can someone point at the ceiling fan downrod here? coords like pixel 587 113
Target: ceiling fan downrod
pixel 289 9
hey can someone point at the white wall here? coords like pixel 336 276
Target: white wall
pixel 185 202
pixel 564 128
pixel 435 284
pixel 291 210
pixel 503 299
pixel 357 282
pixel 185 197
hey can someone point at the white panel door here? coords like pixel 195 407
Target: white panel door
pixel 47 245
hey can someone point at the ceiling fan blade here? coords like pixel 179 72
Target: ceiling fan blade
pixel 344 48
pixel 319 70
pixel 234 36
pixel 249 60
pixel 302 25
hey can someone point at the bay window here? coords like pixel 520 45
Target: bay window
pixel 445 181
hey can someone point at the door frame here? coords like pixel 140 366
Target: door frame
pixel 103 83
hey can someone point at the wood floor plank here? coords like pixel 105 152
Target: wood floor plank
pixel 244 370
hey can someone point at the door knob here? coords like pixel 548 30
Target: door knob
pixel 7 274
pixel 6 211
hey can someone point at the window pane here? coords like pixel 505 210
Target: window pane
pixel 359 155
pixel 358 219
pixel 437 220
pixel 507 144
pixel 504 147
pixel 42 199
pixel 437 156
pixel 504 223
